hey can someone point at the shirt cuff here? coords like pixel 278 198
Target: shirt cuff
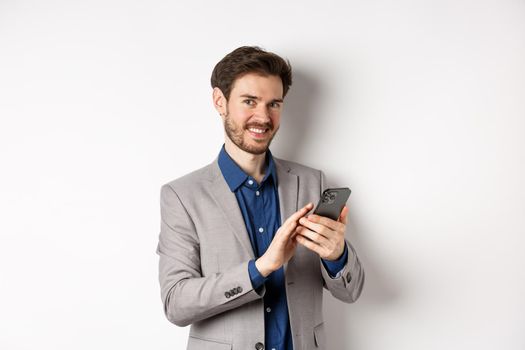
pixel 255 276
pixel 335 267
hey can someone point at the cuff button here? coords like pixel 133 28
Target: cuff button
pixel 348 277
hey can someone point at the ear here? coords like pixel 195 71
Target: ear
pixel 219 101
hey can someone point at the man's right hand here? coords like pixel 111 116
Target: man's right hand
pixel 282 247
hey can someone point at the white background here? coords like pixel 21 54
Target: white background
pixel 418 106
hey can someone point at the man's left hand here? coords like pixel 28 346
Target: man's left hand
pixel 323 235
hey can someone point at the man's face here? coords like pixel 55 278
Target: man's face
pixel 253 112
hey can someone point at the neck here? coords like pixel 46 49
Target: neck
pixel 251 164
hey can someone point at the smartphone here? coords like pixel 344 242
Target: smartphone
pixel 332 202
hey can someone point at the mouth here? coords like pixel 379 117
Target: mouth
pixel 258 132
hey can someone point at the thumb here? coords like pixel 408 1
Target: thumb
pixel 343 216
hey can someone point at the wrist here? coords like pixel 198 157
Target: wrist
pixel 264 268
pixel 339 256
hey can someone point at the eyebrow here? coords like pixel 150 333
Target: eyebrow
pixel 258 98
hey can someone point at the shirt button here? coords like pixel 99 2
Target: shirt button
pixel 261 230
pixel 257 193
pixel 250 182
pixel 268 309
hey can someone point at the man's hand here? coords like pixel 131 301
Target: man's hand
pixel 283 244
pixel 323 235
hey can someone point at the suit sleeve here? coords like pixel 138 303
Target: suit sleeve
pixel 348 284
pixel 187 295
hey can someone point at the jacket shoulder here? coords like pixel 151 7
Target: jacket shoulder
pixel 195 178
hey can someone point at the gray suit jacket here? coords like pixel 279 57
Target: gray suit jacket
pixel 204 250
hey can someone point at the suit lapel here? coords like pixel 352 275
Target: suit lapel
pixel 288 188
pixel 229 206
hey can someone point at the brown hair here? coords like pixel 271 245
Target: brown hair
pixel 249 59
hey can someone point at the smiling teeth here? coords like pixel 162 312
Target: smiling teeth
pixel 259 131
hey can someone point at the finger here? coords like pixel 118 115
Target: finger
pixel 309 244
pixel 291 223
pixel 318 228
pixel 323 220
pixel 298 214
pixel 343 218
pixel 313 236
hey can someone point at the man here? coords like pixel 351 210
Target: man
pixel 239 258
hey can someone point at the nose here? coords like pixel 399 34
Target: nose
pixel 263 111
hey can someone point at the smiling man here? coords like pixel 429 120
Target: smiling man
pixel 240 259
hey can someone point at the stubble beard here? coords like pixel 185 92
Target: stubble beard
pixel 236 134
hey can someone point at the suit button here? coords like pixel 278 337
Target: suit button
pixel 227 294
pixel 348 277
pixel 259 346
pixel 239 289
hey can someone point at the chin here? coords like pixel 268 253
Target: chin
pixel 256 150
pixel 254 147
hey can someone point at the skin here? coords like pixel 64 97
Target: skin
pixel 257 101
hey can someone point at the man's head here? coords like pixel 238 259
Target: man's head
pixel 249 85
pixel 249 59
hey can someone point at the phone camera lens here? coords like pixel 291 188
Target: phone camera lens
pixel 329 197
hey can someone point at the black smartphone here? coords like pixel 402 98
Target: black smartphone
pixel 332 202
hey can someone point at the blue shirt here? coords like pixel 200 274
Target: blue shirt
pixel 259 204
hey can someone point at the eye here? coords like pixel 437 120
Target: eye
pixel 275 105
pixel 249 102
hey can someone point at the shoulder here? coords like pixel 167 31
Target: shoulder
pixel 191 181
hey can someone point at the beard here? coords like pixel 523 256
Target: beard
pixel 236 135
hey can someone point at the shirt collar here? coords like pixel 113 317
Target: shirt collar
pixel 235 176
